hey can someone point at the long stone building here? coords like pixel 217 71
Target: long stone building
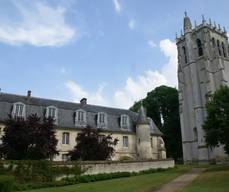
pixel 203 59
pixel 139 137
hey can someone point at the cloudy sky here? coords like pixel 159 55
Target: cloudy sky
pixel 111 51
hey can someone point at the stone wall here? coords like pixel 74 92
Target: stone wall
pixel 130 166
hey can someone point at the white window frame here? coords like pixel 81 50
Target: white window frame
pixel 81 121
pixel 66 138
pixel 101 124
pixel 125 141
pixel 55 118
pixel 123 124
pixel 15 112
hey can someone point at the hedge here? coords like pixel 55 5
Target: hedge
pixel 6 183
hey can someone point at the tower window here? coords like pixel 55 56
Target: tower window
pixel 219 50
pixel 195 132
pixel 223 49
pixel 185 55
pixel 199 46
pixel 213 42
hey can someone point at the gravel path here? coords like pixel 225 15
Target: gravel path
pixel 181 181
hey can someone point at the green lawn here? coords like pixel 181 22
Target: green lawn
pixel 141 183
pixel 213 180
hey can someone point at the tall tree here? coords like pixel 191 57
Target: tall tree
pixel 91 145
pixel 216 124
pixel 162 105
pixel 28 139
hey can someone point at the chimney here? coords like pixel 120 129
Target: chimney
pixel 83 101
pixel 29 93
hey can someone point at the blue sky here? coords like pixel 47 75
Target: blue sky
pixel 111 51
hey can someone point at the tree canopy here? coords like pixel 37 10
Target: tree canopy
pixel 28 139
pixel 91 145
pixel 162 105
pixel 216 124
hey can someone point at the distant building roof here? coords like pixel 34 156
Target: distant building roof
pixel 66 111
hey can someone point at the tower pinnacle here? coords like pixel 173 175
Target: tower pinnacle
pixel 187 23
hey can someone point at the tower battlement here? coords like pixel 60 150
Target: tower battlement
pixel 209 25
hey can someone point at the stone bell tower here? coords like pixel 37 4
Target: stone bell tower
pixel 143 141
pixel 203 65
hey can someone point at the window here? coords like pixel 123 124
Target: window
pixel 151 141
pixel 125 141
pixel 101 120
pixel 124 121
pixel 199 47
pixel 219 50
pixel 213 42
pixel 65 138
pixel 51 112
pixel 223 49
pixel 185 55
pixel 80 119
pixel 100 138
pixel 195 133
pixel 65 157
pixel 18 110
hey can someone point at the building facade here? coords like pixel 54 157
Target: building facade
pixel 138 136
pixel 203 65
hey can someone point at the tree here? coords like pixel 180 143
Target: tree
pixel 28 139
pixel 162 105
pixel 91 145
pixel 15 140
pixel 216 125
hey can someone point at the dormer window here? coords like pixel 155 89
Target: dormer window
pixel 102 120
pixel 80 118
pixel 52 112
pixel 18 110
pixel 124 121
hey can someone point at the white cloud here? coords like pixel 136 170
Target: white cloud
pixel 40 25
pixel 78 93
pixel 152 44
pixel 137 88
pixel 169 70
pixel 132 24
pixel 117 6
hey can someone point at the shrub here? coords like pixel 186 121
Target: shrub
pixel 6 183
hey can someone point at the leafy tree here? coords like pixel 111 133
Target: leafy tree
pixel 162 105
pixel 91 145
pixel 28 139
pixel 15 140
pixel 216 124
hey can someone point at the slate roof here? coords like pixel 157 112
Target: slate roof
pixel 66 111
pixel 142 119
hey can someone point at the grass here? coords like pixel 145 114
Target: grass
pixel 141 183
pixel 215 179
